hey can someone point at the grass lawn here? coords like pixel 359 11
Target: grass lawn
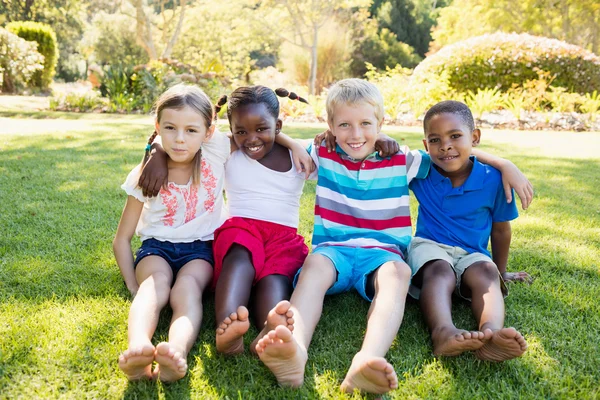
pixel 63 305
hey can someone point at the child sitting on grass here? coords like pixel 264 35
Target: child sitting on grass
pixel 461 205
pixel 174 263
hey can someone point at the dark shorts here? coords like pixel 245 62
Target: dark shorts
pixel 176 254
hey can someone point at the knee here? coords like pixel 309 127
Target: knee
pixel 402 271
pixel 484 272
pixel 438 269
pixel 315 267
pixel 237 254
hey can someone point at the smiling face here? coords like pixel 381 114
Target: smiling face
pixel 355 128
pixel 449 142
pixel 182 131
pixel 254 129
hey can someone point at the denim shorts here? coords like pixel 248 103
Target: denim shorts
pixel 354 265
pixel 176 254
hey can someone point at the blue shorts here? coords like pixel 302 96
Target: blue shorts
pixel 354 265
pixel 176 254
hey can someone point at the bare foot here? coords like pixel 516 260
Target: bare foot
pixel 279 315
pixel 370 374
pixel 136 362
pixel 172 365
pixel 504 344
pixel 230 334
pixel 450 341
pixel 280 352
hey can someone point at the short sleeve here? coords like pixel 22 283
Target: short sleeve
pixel 502 210
pixel 418 163
pixel 217 149
pixel 314 154
pixel 131 184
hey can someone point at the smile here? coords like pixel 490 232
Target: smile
pixel 356 146
pixel 447 158
pixel 254 149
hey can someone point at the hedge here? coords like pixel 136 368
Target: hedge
pixel 19 60
pixel 501 60
pixel 45 37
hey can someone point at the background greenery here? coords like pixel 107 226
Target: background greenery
pixel 63 306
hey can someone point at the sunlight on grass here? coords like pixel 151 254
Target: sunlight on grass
pixel 64 307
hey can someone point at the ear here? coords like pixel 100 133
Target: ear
pixel 476 137
pixel 157 126
pixel 209 132
pixel 379 125
pixel 425 145
pixel 278 126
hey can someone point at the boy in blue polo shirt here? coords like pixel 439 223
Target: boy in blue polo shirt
pixel 461 206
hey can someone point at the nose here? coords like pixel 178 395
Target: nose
pixel 355 133
pixel 179 138
pixel 446 144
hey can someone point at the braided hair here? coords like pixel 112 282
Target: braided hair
pixel 245 95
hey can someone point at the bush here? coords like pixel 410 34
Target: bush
pixel 90 101
pixel 19 60
pixel 500 60
pixel 46 39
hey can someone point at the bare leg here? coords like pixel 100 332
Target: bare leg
pixel 370 372
pixel 154 275
pixel 284 353
pixel 482 282
pixel 186 302
pixel 231 298
pixel 438 285
pixel 269 306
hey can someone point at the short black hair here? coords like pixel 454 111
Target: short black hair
pixel 245 95
pixel 451 107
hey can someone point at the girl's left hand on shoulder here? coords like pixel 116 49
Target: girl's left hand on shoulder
pixel 521 276
pixel 329 139
pixel 512 177
pixel 386 146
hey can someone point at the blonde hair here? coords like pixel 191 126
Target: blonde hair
pixel 179 96
pixel 354 91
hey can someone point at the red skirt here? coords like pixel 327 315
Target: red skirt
pixel 275 248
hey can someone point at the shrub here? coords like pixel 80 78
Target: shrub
pixel 46 39
pixel 591 104
pixel 483 101
pixel 89 101
pixel 19 60
pixel 502 60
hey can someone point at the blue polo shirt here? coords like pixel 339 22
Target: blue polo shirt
pixel 462 216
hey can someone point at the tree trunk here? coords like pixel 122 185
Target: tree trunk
pixel 175 36
pixel 144 30
pixel 312 78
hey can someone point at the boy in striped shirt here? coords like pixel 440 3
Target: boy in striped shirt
pixel 362 229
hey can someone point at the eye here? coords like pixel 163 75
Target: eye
pixel 344 125
pixel 240 133
pixel 192 130
pixel 169 127
pixel 366 123
pixel 434 140
pixel 456 136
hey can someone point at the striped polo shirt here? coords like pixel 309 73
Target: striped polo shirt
pixel 365 203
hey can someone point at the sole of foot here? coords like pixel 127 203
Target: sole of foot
pixel 172 365
pixel 504 344
pixel 452 341
pixel 136 362
pixel 280 315
pixel 371 375
pixel 280 352
pixel 231 331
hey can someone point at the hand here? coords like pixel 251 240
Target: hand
pixel 386 146
pixel 155 173
pixel 303 161
pixel 517 277
pixel 512 177
pixel 329 140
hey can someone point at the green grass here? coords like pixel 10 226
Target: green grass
pixel 63 306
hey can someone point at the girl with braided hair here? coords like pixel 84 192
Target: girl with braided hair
pixel 257 251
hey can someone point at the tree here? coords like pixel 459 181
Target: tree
pixel 574 21
pixel 145 21
pixel 305 18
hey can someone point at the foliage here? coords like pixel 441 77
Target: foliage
pixel 515 101
pixel 484 100
pixel 45 37
pixel 591 104
pixel 501 60
pixel 66 17
pixel 379 48
pixel 111 39
pixel 19 60
pixel 333 58
pixel 227 38
pixel 560 100
pixel 572 21
pixel 79 102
